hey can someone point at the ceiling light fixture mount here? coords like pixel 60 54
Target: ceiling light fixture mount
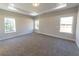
pixel 35 4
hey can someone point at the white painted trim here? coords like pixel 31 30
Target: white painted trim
pixel 77 43
pixel 14 36
pixel 54 36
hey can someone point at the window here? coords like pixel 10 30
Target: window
pixel 9 25
pixel 37 24
pixel 66 24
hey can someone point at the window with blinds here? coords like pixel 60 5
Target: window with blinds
pixel 66 24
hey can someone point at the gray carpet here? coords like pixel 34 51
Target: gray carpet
pixel 38 45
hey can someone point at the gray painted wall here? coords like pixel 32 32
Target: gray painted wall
pixel 77 29
pixel 24 24
pixel 49 23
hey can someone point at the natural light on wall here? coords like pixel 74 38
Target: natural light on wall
pixel 37 24
pixel 9 25
pixel 66 24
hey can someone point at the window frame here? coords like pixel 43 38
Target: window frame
pixel 37 24
pixel 66 24
pixel 14 24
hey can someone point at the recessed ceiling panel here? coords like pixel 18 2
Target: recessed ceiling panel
pixel 29 9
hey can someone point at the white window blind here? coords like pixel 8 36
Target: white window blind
pixel 66 24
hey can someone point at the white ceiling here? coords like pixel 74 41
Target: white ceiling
pixel 28 9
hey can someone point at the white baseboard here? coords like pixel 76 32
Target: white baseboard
pixel 14 36
pixel 77 43
pixel 55 36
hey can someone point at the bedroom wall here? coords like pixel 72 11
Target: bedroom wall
pixel 24 24
pixel 77 29
pixel 49 23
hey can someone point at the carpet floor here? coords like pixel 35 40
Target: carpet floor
pixel 38 45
